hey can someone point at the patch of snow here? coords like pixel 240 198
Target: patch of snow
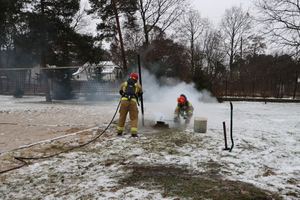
pixel 266 152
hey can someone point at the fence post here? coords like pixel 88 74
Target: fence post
pixel 226 88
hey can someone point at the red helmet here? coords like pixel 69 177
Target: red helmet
pixel 134 76
pixel 181 100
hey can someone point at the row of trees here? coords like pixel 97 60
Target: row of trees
pixel 175 41
pixel 172 39
pixel 43 32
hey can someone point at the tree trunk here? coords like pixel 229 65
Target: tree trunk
pixel 296 86
pixel 120 35
pixel 43 58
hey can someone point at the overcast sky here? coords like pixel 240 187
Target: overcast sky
pixel 215 9
pixel 212 9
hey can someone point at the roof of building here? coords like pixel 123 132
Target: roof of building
pixel 107 67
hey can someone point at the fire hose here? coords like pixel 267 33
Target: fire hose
pixel 22 159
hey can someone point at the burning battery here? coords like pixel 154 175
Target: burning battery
pixel 161 125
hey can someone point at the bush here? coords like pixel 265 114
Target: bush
pixel 18 93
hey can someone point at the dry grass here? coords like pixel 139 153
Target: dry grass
pixel 176 181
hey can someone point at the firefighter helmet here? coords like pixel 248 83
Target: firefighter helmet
pixel 134 76
pixel 181 100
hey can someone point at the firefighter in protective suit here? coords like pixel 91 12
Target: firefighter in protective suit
pixel 184 109
pixel 130 90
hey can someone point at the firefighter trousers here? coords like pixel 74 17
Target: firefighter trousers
pixel 128 106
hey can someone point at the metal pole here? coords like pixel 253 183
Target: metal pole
pixel 226 88
pixel 231 108
pixel 253 88
pixel 140 78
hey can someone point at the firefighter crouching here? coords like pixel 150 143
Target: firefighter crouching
pixel 130 90
pixel 184 109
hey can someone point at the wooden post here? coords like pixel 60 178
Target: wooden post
pixel 225 137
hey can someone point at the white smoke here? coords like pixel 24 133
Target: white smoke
pixel 160 97
pixel 170 89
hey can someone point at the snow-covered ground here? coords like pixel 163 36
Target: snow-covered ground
pixel 266 152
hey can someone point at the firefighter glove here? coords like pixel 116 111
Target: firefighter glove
pixel 185 117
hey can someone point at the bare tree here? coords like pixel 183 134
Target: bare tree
pixel 281 20
pixel 159 14
pixel 214 54
pixel 192 26
pixel 254 45
pixel 81 20
pixel 281 24
pixel 235 25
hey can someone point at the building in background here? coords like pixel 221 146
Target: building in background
pixel 107 70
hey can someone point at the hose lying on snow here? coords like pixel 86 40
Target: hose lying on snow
pixel 22 159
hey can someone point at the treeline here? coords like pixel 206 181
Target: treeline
pixel 29 27
pixel 172 39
